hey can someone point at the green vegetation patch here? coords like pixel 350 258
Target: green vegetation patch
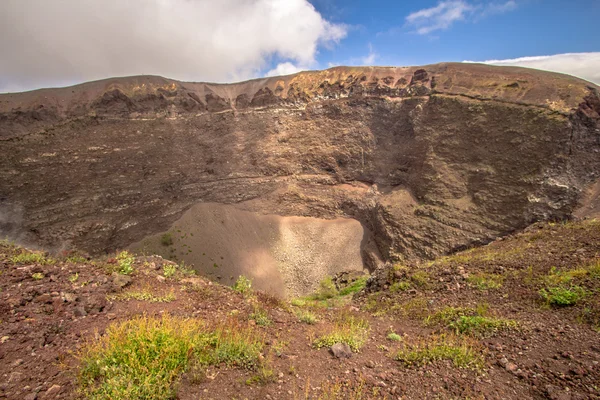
pixel 354 287
pixel 143 295
pixel 166 239
pixel 470 321
pixel 563 296
pixel 348 329
pixel 125 262
pixel 261 317
pixel 31 257
pixel 169 270
pixel 141 358
pixel 306 317
pixel 486 281
pixel 461 352
pixel 243 285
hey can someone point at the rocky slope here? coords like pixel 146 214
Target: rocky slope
pixel 516 319
pixel 428 159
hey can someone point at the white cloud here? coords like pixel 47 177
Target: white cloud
pixel 57 42
pixel 286 68
pixel 582 65
pixel 370 58
pixel 448 12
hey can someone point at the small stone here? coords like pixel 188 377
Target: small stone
pixel 4 339
pixel 79 312
pixel 341 350
pixel 121 280
pixel 15 377
pixel 69 297
pixel 511 367
pixel 44 298
pixel 52 392
pixel 370 364
pixel 18 362
pixel 161 278
pixel 30 396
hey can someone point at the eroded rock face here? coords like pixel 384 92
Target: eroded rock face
pixel 428 159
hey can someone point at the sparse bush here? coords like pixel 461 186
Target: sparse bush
pixel 166 239
pixel 74 278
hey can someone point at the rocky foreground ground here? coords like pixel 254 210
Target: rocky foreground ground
pixel 518 318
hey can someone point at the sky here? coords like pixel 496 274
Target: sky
pixel 49 43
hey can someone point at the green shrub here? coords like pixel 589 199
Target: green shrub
pixel 243 285
pixel 394 337
pixel 125 262
pixel 562 296
pixel 37 276
pixel 169 270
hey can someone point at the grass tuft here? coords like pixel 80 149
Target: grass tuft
pixel 143 295
pixel 143 357
pixel 348 329
pixel 139 358
pixel 459 351
pixel 485 281
pixel 306 317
